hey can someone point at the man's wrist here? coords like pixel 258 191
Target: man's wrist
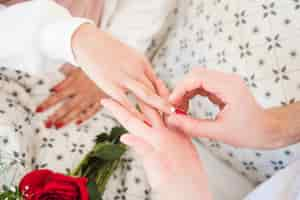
pixel 277 124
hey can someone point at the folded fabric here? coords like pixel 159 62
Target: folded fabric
pixel 284 185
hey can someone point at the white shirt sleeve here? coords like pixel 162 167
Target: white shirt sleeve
pixel 40 26
pixel 2 7
pixel 284 185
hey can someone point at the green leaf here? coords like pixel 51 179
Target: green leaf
pixel 102 138
pixel 100 163
pixel 105 173
pixel 109 151
pixel 5 188
pixel 116 133
pixel 9 194
pixel 101 177
pixel 91 169
pixel 94 194
pixel 78 171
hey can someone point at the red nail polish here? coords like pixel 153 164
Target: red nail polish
pixel 79 122
pixel 147 123
pixel 180 112
pixel 55 88
pixel 59 125
pixel 48 124
pixel 52 90
pixel 39 109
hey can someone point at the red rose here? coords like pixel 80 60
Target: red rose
pixel 46 185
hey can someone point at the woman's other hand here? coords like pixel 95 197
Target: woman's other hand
pixel 241 122
pixel 80 98
pixel 170 158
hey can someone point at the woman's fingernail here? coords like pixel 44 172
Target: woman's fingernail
pixel 147 123
pixel 48 124
pixel 55 88
pixel 52 90
pixel 59 125
pixel 180 112
pixel 79 122
pixel 39 109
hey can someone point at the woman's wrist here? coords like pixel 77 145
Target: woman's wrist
pixel 193 185
pixel 179 193
pixel 81 39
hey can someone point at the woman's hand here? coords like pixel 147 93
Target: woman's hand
pixel 241 122
pixel 170 158
pixel 118 69
pixel 80 96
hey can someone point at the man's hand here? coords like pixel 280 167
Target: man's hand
pixel 241 122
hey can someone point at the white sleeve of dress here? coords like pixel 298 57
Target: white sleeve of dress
pixel 2 7
pixel 43 27
pixel 55 35
pixel 138 22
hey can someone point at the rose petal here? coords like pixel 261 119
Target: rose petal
pixel 82 183
pixel 46 185
pixel 34 180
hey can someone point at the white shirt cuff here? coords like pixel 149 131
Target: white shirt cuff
pixel 56 39
pixel 2 7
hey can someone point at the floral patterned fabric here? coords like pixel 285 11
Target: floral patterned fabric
pixel 257 39
pixel 26 145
